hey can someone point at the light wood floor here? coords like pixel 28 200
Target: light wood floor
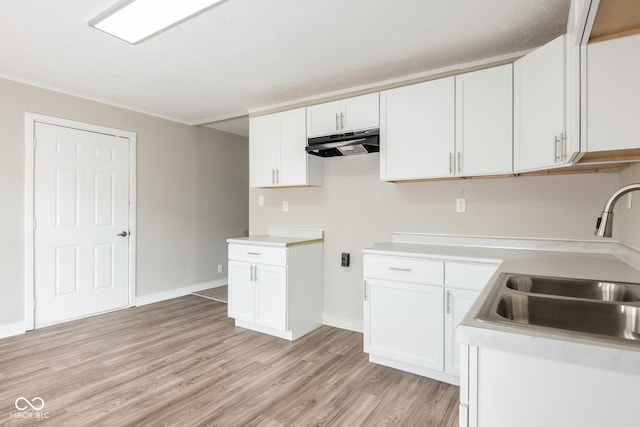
pixel 182 362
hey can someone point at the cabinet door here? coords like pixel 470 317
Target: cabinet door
pixel 292 168
pixel 457 304
pixel 613 92
pixel 539 108
pixel 323 119
pixel 405 322
pixel 360 112
pixel 242 291
pixel 264 139
pixel 484 122
pixel 271 297
pixel 417 131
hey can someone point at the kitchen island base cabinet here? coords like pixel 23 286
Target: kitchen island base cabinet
pixel 506 389
pixel 276 290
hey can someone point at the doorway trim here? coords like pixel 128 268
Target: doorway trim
pixel 30 120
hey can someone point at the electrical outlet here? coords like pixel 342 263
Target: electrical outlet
pixel 219 268
pixel 261 200
pixel 285 206
pixel 461 205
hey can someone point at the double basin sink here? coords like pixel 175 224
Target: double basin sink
pixel 609 310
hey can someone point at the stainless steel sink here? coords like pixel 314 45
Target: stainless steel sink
pixel 605 309
pixel 612 320
pixel 589 289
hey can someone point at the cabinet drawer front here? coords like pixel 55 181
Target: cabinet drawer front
pixel 411 270
pixel 258 254
pixel 468 276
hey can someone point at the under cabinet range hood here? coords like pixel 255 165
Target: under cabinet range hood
pixel 345 144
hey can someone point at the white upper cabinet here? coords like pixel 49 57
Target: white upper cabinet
pixel 484 122
pixel 417 131
pixel 613 115
pixel 360 112
pixel 277 151
pixel 540 107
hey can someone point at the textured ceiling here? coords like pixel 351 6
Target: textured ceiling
pixel 247 54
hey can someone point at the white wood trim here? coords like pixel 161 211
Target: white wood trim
pixel 30 119
pixel 12 329
pixel 342 323
pixel 179 292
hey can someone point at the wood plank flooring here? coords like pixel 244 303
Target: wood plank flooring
pixel 183 362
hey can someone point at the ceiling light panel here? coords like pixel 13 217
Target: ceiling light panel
pixel 137 20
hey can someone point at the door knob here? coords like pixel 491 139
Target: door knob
pixel 123 234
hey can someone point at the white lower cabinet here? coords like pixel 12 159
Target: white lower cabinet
pixel 504 389
pixel 412 307
pixel 399 310
pixel 276 290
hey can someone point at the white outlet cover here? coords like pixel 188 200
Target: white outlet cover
pixel 285 206
pixel 461 205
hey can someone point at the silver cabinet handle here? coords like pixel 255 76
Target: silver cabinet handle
pixel 450 163
pixel 337 122
pixel 459 161
pixel 341 121
pixel 273 176
pixel 254 253
pixel 399 269
pixel 251 273
pixel 447 303
pixel 364 282
pixel 277 176
pixel 123 234
pixel 556 143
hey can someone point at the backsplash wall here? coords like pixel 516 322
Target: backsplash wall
pixel 357 210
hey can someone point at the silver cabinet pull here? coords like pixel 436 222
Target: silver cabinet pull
pixel 447 302
pixel 273 176
pixel 254 253
pixel 459 161
pixel 556 143
pixel 364 282
pixel 337 122
pixel 450 163
pixel 123 234
pixel 399 269
pixel 277 176
pixel 341 121
pixel 251 273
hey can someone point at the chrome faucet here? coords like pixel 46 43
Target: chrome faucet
pixel 604 226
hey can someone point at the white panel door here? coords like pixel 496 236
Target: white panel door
pixel 323 119
pixel 292 169
pixel 417 131
pixel 264 141
pixel 242 291
pixel 457 304
pixel 405 322
pixel 484 122
pixel 360 112
pixel 271 297
pixel 81 204
pixel 539 107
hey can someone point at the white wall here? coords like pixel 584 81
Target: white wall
pixel 626 222
pixel 356 210
pixel 192 192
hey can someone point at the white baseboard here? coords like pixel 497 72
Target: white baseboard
pixel 342 323
pixel 12 329
pixel 180 292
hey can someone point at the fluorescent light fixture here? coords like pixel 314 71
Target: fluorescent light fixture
pixel 136 20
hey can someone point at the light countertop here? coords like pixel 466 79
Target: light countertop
pixel 279 241
pixel 585 260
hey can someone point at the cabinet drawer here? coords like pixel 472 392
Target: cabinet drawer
pixel 468 276
pixel 404 269
pixel 258 254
